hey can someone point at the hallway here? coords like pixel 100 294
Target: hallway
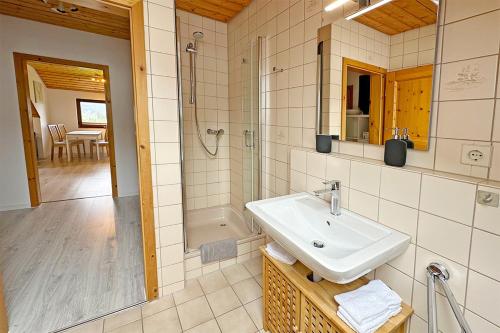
pixel 84 255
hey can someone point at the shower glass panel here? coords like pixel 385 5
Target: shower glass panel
pixel 251 123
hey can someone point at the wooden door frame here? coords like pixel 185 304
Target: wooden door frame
pixel 139 80
pixel 373 70
pixel 25 108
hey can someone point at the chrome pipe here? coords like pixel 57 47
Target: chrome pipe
pixel 192 77
pixel 454 306
pixel 437 272
pixel 431 303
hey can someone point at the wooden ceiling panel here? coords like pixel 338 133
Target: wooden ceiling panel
pixel 91 15
pixel 220 10
pixel 400 15
pixel 65 77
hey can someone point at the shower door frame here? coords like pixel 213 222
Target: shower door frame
pixel 258 43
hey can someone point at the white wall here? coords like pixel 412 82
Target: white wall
pixel 40 124
pixel 18 35
pixel 62 107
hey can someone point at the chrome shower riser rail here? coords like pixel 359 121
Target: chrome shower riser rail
pixel 439 273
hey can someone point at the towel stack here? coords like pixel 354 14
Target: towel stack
pixel 369 307
pixel 277 252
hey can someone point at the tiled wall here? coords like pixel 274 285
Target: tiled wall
pixel 413 48
pixel 439 212
pixel 159 30
pixel 207 178
pixel 466 115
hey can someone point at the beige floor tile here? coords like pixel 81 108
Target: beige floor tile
pixel 212 282
pixel 258 278
pixel 236 321
pixel 254 266
pixel 165 321
pixel 92 327
pixel 191 291
pixel 223 301
pixel 255 311
pixel 194 313
pixel 162 304
pixel 122 318
pixel 208 327
pixel 133 327
pixel 236 273
pixel 247 290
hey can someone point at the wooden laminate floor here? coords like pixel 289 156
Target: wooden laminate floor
pixel 68 261
pixel 80 178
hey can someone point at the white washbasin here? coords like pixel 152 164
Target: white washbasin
pixel 353 244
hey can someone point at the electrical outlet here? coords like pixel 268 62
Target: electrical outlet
pixel 476 155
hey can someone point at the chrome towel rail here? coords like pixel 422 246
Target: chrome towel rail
pixel 437 272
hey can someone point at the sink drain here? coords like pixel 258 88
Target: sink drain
pixel 319 244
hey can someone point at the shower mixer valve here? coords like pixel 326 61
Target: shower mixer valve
pixel 215 132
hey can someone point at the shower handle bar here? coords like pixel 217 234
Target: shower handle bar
pixel 437 272
pixel 192 77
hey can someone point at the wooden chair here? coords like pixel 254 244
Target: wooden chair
pixel 56 141
pixel 100 144
pixel 78 142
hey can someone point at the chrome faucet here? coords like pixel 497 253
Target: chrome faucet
pixel 335 191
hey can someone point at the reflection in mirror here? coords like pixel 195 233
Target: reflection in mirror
pixel 375 71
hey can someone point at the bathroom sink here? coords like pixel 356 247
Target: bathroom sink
pixel 337 248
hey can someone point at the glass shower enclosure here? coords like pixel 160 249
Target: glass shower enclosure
pixel 252 124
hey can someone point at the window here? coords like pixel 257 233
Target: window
pixel 91 113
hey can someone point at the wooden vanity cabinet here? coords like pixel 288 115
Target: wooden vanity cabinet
pixel 292 303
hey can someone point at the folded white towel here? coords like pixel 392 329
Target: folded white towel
pixel 368 302
pixel 277 252
pixel 369 326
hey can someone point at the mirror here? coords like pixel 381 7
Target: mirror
pixel 375 70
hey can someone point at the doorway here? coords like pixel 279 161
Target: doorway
pixel 66 108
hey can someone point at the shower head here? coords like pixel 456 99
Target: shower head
pixel 197 35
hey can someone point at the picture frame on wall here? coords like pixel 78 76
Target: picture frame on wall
pixel 38 92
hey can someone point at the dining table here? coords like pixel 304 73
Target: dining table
pixel 82 135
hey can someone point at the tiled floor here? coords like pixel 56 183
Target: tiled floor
pixel 227 301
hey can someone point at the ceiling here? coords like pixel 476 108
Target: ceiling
pixel 65 77
pixel 220 10
pixel 91 16
pixel 400 15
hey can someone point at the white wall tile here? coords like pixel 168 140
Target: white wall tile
pixel 484 246
pixel 470 120
pixel 476 33
pixel 487 217
pixel 400 186
pixel 447 198
pixel 452 88
pixel 365 177
pixel 399 217
pixel 338 169
pixel 482 297
pixel 399 282
pixel 316 165
pixel 447 238
pixel 363 204
pixel 478 324
pixel 457 10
